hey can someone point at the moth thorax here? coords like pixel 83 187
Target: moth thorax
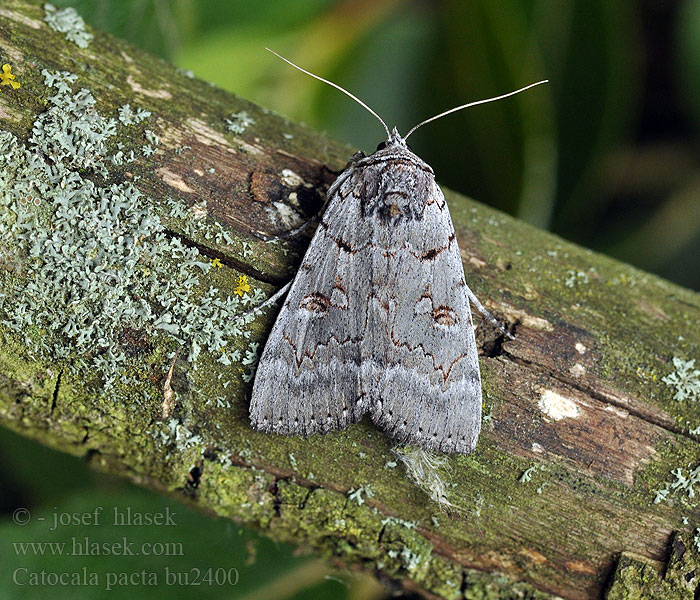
pixel 396 206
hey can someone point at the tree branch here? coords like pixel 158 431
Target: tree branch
pixel 126 350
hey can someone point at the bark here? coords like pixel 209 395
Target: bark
pixel 581 430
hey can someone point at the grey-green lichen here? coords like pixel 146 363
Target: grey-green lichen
pixel 529 472
pixel 68 21
pixel 128 116
pixel 682 483
pixel 86 260
pixel 685 378
pixel 358 495
pixel 239 122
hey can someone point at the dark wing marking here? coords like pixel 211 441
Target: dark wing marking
pixel 308 375
pixel 420 368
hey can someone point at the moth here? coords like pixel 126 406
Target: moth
pixel 377 319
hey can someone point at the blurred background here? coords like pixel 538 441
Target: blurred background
pixel 606 155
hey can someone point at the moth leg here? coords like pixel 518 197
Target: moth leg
pixel 475 301
pixel 271 300
pixel 289 234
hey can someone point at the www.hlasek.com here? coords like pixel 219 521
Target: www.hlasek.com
pixel 85 546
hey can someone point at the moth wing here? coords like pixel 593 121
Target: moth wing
pixel 420 355
pixel 307 379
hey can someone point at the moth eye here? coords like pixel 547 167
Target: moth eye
pixel 381 145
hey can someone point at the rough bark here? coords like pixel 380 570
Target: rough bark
pixel 580 432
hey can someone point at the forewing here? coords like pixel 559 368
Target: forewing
pixel 420 365
pixel 307 379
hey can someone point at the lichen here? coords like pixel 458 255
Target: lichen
pixel 239 122
pixel 681 483
pixel 86 260
pixel 68 21
pixel 397 521
pixel 487 479
pixel 250 360
pixel 528 473
pixel 127 116
pixel 685 378
pixel 575 278
pixel 242 287
pixel 7 77
pixel 358 495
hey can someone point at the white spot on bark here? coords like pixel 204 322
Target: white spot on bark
pixel 537 448
pixel 165 94
pixel 174 180
pixel 248 148
pixel 558 407
pixel 526 319
pixel 285 215
pixel 208 136
pixel 580 348
pixel 477 262
pixel 14 16
pixel 291 179
pixel 577 370
pixel 199 209
pixel 620 412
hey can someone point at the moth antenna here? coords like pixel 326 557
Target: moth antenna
pixel 337 87
pixel 447 112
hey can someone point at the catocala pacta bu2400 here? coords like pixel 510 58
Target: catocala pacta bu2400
pixel 377 319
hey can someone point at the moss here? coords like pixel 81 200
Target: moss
pixel 637 578
pixel 335 527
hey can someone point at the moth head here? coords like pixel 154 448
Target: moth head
pixel 395 140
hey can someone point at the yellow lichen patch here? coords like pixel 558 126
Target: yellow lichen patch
pixel 243 286
pixel 7 77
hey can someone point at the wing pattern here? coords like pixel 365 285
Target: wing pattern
pixel 377 319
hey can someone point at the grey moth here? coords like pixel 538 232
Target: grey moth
pixel 377 320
